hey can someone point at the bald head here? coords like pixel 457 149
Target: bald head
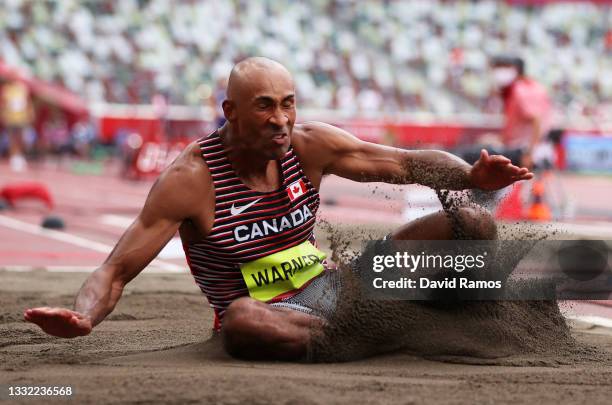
pixel 255 73
pixel 260 107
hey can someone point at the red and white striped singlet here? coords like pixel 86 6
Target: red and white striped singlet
pixel 248 225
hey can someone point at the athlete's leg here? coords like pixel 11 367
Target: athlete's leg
pixel 255 330
pixel 474 223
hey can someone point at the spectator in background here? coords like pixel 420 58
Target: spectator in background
pixel 17 115
pixel 217 97
pixel 83 136
pixel 527 117
pixel 56 134
pixel 527 111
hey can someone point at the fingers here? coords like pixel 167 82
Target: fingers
pixel 499 159
pixel 59 322
pixel 522 172
pixel 493 159
pixel 506 169
pixel 33 314
pixel 45 316
pixel 502 161
pixel 484 155
pixel 505 164
pixel 47 312
pixel 510 169
pixel 526 176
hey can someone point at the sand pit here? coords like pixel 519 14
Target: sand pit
pixel 517 333
pixel 157 348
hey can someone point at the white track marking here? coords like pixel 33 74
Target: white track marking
pixel 53 234
pixel 119 221
pixel 76 240
pixel 358 215
pixel 19 268
pixel 592 319
pixel 172 250
pixel 600 230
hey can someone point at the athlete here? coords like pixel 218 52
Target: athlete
pixel 244 200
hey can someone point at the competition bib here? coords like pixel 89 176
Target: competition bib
pixel 281 272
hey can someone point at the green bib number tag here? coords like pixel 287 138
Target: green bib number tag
pixel 281 272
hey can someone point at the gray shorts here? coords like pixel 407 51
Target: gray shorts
pixel 319 298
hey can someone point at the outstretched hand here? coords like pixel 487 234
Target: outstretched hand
pixel 492 172
pixel 59 322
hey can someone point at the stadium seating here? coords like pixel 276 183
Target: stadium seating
pixel 366 55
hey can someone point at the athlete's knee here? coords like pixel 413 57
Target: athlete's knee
pixel 244 327
pixel 254 330
pixel 238 324
pixel 476 223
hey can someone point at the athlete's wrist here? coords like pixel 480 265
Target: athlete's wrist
pixel 470 181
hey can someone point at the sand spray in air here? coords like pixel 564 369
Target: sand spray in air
pixel 485 332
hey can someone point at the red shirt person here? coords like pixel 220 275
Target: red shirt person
pixel 527 108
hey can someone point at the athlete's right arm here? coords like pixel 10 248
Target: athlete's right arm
pixel 170 201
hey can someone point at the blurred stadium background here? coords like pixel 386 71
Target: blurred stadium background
pixel 98 96
pixel 111 91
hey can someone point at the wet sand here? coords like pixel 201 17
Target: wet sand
pixel 157 348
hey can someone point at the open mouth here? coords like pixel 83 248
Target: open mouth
pixel 279 138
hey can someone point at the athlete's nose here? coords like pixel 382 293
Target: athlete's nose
pixel 279 118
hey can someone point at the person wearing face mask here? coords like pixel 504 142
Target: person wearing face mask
pixel 526 109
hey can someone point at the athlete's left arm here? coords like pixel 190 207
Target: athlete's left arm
pixel 347 156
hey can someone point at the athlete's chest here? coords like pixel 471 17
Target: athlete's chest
pixel 242 214
pixel 245 215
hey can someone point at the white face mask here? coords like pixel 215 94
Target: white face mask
pixel 504 76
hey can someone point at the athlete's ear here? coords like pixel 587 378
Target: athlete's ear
pixel 229 110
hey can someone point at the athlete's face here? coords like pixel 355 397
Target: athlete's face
pixel 265 113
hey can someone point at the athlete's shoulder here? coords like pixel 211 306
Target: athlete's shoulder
pixel 181 188
pixel 189 163
pixel 188 173
pixel 315 129
pixel 318 144
pixel 318 135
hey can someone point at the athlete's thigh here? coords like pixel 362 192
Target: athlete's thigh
pixel 473 222
pixel 247 316
pixel 436 226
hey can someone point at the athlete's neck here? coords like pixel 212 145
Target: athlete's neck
pixel 257 173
